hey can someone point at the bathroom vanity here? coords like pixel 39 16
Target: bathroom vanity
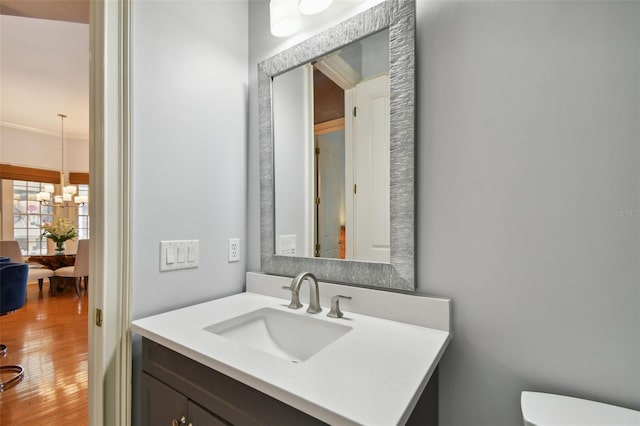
pixel 210 364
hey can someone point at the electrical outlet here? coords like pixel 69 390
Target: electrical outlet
pixel 234 249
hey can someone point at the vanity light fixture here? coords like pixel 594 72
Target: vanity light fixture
pixel 312 7
pixel 66 199
pixel 285 14
pixel 285 17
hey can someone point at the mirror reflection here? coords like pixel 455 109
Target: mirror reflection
pixel 331 154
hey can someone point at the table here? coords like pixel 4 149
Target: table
pixel 53 262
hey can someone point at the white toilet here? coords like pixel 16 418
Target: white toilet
pixel 545 409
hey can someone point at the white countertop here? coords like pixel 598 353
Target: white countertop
pixel 373 375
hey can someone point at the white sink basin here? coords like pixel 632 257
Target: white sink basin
pixel 294 337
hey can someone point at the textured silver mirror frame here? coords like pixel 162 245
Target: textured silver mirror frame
pixel 399 17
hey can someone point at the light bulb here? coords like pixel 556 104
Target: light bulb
pixel 285 17
pixel 311 7
pixel 70 189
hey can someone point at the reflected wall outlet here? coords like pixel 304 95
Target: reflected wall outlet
pixel 234 249
pixel 179 254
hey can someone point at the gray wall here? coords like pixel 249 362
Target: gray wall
pixel 527 196
pixel 528 136
pixel 189 110
pixel 189 66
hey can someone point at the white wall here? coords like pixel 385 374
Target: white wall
pixel 42 150
pixel 527 149
pixel 189 115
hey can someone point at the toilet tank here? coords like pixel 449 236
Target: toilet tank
pixel 545 409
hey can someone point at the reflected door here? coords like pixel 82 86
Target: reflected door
pixel 372 212
pixel 330 190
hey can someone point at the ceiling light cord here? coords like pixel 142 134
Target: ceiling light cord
pixel 62 117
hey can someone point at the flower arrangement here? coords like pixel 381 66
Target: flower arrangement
pixel 59 231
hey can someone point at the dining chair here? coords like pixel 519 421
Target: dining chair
pixel 80 269
pixel 37 273
pixel 13 294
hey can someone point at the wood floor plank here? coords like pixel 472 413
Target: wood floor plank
pixel 48 337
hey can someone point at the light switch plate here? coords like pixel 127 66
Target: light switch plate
pixel 179 254
pixel 287 245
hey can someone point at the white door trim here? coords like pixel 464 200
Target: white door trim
pixel 310 170
pixel 349 171
pixel 110 192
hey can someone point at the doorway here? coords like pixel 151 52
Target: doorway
pixel 108 314
pixel 45 128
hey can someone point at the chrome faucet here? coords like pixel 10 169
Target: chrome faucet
pixel 314 293
pixel 335 311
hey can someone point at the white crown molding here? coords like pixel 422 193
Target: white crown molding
pixel 339 71
pixel 43 132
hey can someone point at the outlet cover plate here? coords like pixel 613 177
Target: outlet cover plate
pixel 234 249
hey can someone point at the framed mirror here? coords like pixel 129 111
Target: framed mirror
pixel 363 233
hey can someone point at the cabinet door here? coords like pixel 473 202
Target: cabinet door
pixel 198 416
pixel 161 405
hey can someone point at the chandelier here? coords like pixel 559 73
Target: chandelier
pixel 68 198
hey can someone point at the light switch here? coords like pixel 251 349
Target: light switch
pixel 170 257
pixel 178 254
pixel 287 245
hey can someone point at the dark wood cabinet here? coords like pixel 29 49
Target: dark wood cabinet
pixel 199 416
pixel 176 390
pixel 160 403
pixel 173 386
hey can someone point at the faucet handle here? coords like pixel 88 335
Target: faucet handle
pixel 295 297
pixel 335 311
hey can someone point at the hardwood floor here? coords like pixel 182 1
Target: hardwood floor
pixel 48 337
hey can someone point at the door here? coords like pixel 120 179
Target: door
pixel 161 405
pixel 371 233
pixel 330 193
pixel 198 416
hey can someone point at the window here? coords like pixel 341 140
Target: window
pixel 83 214
pixel 28 215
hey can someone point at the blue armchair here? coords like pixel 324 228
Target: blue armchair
pixel 13 293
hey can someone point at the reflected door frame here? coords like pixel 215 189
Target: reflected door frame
pixel 349 183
